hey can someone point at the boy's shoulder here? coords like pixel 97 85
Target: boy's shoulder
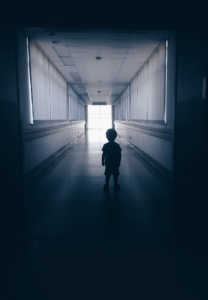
pixel 110 144
pixel 116 144
pixel 105 145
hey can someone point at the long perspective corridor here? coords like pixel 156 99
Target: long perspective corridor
pixel 66 235
pixel 67 200
pixel 126 235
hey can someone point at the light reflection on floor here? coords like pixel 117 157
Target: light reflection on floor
pixel 97 135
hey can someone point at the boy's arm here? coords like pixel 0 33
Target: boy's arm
pixel 119 156
pixel 103 158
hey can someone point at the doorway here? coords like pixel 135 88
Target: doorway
pixel 99 117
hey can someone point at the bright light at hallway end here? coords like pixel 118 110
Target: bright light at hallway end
pixel 99 117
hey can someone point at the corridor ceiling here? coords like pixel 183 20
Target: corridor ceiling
pixel 99 65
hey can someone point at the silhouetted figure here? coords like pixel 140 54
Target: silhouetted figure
pixel 111 158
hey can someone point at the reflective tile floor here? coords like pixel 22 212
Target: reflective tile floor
pixel 84 243
pixel 68 200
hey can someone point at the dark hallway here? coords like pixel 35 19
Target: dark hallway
pixel 86 243
pixel 68 201
pixel 78 234
pixel 64 236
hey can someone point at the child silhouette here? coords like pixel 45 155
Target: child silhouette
pixel 111 158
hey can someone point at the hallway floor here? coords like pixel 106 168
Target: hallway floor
pixel 84 243
pixel 68 200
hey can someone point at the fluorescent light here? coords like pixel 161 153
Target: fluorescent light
pixel 56 42
pixel 51 33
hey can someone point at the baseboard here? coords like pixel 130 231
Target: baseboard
pixel 151 160
pixel 32 173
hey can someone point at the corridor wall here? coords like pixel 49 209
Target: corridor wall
pixel 81 110
pixel 56 119
pixel 141 117
pixel 122 105
pixel 148 89
pixel 117 108
pixel 49 88
pixel 191 138
pixel 11 170
pixel 76 106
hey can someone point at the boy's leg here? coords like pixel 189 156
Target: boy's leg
pixel 107 179
pixel 115 177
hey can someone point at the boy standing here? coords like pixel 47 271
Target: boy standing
pixel 111 158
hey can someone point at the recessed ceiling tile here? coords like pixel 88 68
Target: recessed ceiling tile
pixel 61 50
pixel 67 61
pixel 122 54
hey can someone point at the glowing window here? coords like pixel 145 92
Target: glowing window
pixel 99 117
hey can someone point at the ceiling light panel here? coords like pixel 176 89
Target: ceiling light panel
pixel 104 56
pixel 75 76
pixel 97 43
pixel 51 33
pixel 61 50
pixel 72 69
pixel 98 35
pixel 56 42
pixel 81 86
pixel 67 61
pixel 88 50
pixel 116 65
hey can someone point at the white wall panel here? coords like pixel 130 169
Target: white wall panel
pixel 37 150
pixel 74 105
pixel 49 89
pixel 81 110
pixel 157 148
pixel 142 94
pixel 156 85
pixel 124 104
pixel 117 109
pixel 134 98
pixel 148 89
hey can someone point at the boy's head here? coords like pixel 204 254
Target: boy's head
pixel 111 135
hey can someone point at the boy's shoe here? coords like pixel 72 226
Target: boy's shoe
pixel 117 186
pixel 106 187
